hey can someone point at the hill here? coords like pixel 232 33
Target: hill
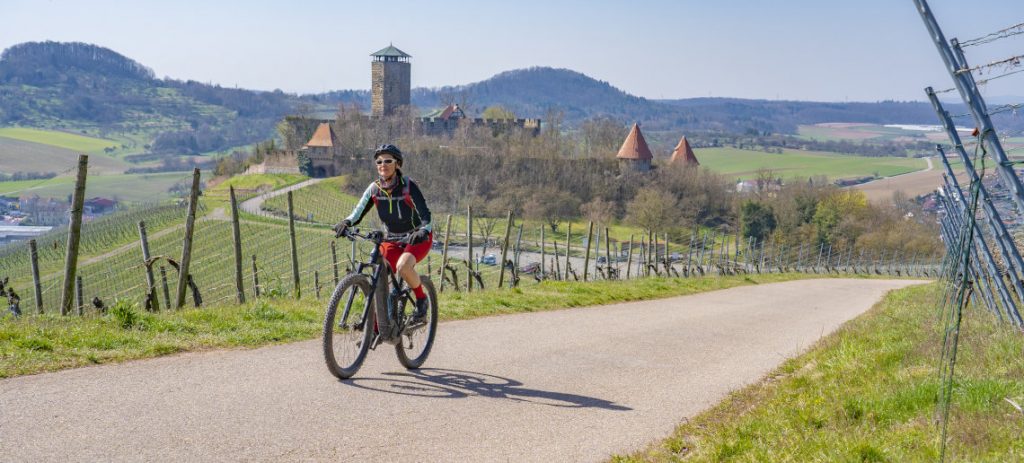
pixel 87 88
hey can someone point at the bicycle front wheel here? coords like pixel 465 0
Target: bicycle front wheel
pixel 348 326
pixel 415 343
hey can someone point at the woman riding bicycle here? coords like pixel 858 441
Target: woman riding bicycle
pixel 402 209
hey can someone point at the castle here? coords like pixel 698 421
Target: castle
pixel 391 89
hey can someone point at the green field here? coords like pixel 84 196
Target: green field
pixel 123 187
pixel 744 164
pixel 859 132
pixel 325 202
pixel 70 141
pixel 25 156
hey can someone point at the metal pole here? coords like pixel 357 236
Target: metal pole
pixel 958 69
pixel 74 236
pixel 568 244
pixel 543 252
pixel 79 302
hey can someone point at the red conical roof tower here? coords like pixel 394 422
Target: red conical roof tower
pixel 635 147
pixel 684 154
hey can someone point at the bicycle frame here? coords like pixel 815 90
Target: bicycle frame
pixel 379 268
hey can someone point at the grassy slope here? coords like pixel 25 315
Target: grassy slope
pixel 735 163
pixel 868 393
pixel 50 342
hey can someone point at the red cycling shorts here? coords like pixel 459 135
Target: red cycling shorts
pixel 392 251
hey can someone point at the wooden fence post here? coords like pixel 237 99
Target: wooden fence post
pixel 166 287
pixel 554 260
pixel 295 252
pixel 469 249
pixel 586 254
pixel 334 261
pixel 255 277
pixel 543 253
pixel 237 235
pixel 504 250
pixel 186 247
pixel 150 280
pixel 74 236
pixel 444 249
pixel 79 302
pixel 608 255
pixel 568 245
pixel 518 248
pixel 316 283
pixel 37 287
pixel 629 258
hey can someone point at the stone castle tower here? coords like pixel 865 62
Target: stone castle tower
pixel 390 73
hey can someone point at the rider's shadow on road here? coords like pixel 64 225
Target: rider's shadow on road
pixel 456 384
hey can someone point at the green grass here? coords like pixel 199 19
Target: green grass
pixel 744 164
pixel 124 187
pixel 70 141
pixel 35 344
pixel 247 186
pixel 868 393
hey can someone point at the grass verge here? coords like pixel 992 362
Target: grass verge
pixel 868 393
pixel 35 344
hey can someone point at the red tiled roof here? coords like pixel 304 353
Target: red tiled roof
pixel 323 137
pixel 683 153
pixel 635 147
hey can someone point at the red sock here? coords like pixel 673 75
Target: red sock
pixel 418 291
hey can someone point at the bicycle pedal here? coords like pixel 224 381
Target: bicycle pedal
pixel 377 339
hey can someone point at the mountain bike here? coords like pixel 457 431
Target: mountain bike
pixel 368 309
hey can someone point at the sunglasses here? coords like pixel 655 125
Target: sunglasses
pixel 381 162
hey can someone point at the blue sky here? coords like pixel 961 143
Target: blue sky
pixel 820 50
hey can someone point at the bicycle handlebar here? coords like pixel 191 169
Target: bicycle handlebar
pixel 376 236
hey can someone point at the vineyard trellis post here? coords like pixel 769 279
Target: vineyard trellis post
pixel 74 235
pixel 568 244
pixel 469 249
pixel 964 81
pixel 294 250
pixel 334 260
pixel 37 288
pixel 236 235
pixel 518 248
pixel 504 250
pixel 79 300
pixel 608 255
pixel 629 257
pixel 444 250
pixel 143 241
pixel 586 254
pixel 186 246
pixel 255 277
pixel 150 280
pixel 166 287
pixel 543 252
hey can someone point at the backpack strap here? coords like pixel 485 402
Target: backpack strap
pixel 405 194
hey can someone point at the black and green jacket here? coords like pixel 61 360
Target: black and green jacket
pixel 401 208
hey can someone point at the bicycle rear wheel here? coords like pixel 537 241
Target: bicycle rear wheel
pixel 415 343
pixel 348 326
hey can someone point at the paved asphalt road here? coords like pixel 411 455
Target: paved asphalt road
pixel 569 385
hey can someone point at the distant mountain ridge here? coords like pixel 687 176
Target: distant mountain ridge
pixel 51 84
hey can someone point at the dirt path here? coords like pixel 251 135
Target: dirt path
pixel 253 205
pixel 570 385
